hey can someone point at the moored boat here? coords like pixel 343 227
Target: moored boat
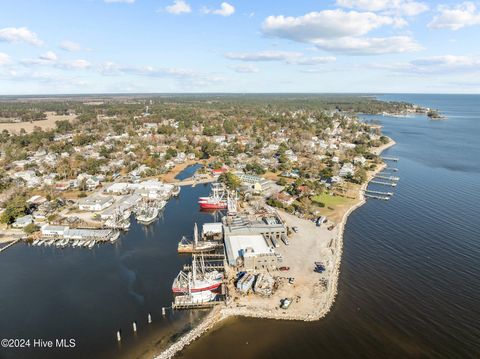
pixel 216 200
pixel 198 280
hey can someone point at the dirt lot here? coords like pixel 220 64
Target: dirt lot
pixel 49 123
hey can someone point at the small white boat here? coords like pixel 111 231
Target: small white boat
pixel 176 191
pixel 59 243
pixel 114 236
pixel 91 244
pixel 40 242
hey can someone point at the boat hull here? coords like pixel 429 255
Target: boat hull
pixel 197 289
pixel 206 205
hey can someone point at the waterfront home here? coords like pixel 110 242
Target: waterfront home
pixel 347 170
pixel 95 203
pixel 22 222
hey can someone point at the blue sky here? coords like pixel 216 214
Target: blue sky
pixel 118 46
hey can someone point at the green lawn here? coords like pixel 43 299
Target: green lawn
pixel 329 200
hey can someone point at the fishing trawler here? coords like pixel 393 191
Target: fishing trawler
pixel 118 221
pixel 198 280
pixel 147 215
pixel 187 246
pixel 216 200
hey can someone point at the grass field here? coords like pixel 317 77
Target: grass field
pixel 329 200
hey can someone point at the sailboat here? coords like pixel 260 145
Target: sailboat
pixel 187 246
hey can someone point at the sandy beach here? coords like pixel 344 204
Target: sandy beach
pixel 312 301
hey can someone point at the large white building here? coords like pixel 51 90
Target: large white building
pixel 251 250
pixel 95 203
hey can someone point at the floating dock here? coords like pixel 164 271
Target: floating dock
pixel 391 184
pixel 383 198
pixel 390 178
pixel 367 191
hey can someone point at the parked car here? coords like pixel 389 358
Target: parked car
pixel 319 267
pixel 284 268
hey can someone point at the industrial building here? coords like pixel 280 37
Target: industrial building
pixel 250 251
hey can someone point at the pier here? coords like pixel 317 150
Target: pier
pixel 186 303
pixel 221 266
pixel 368 191
pixel 391 184
pixel 390 178
pixel 383 198
pixel 10 244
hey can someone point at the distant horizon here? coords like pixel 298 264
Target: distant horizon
pixel 113 94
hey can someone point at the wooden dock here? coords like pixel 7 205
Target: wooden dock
pixel 368 191
pixel 390 178
pixel 15 241
pixel 220 266
pixel 383 198
pixel 190 305
pixel 391 184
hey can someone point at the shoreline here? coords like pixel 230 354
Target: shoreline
pixel 220 313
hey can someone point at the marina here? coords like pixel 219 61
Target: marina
pixel 384 308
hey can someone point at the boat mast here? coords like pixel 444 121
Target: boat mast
pixel 194 268
pixel 195 234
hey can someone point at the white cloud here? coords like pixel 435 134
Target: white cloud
pixel 341 31
pixel 310 61
pixel 119 1
pixel 19 34
pixel 397 7
pixel 288 57
pixel 185 76
pixel 324 24
pixel 454 18
pixel 245 69
pixel 178 7
pixel 263 56
pixel 226 9
pixel 51 59
pixel 70 46
pixel 369 45
pixel 79 64
pixel 48 56
pixel 4 59
pixel 445 64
